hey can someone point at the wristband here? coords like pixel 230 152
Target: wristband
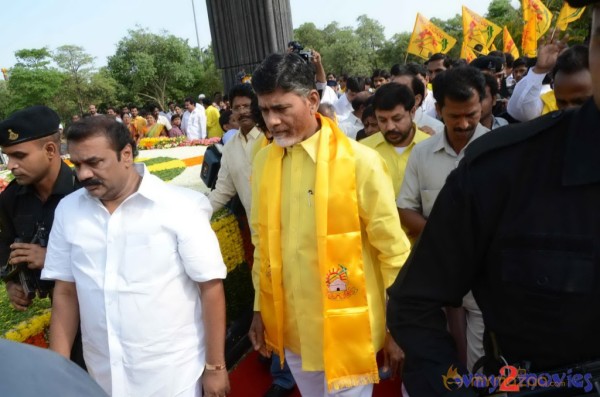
pixel 210 367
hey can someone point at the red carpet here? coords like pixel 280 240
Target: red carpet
pixel 251 378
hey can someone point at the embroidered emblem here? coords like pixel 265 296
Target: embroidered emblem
pixel 12 136
pixel 337 284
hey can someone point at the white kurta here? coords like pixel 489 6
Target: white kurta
pixel 136 271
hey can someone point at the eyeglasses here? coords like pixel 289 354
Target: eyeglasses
pixel 239 108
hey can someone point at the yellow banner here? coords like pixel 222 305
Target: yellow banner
pixel 567 15
pixel 536 10
pixel 466 53
pixel 530 38
pixel 478 30
pixel 509 44
pixel 427 39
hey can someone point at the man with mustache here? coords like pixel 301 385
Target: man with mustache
pixel 236 162
pixel 143 275
pixel 30 139
pixel 458 93
pixel 395 110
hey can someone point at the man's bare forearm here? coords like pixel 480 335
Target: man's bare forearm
pixel 65 318
pixel 412 221
pixel 213 312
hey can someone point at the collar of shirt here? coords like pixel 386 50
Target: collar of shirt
pixel 309 145
pixel 582 163
pixel 443 144
pixel 63 185
pixel 253 133
pixel 146 189
pixel 379 139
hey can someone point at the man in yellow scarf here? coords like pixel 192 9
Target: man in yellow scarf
pixel 328 240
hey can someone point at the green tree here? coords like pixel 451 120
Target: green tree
pixel 394 51
pixel 78 65
pixel 206 78
pixel 33 58
pixel 32 81
pixel 310 36
pixel 153 67
pixel 370 34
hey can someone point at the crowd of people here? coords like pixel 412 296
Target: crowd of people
pixel 441 213
pixel 193 120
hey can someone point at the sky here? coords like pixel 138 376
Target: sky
pixel 98 26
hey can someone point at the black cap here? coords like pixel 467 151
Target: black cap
pixel 488 63
pixel 581 3
pixel 28 124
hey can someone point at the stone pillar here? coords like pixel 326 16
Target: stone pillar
pixel 244 32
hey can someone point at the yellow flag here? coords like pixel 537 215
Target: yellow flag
pixel 567 15
pixel 509 44
pixel 530 38
pixel 427 39
pixel 478 30
pixel 536 10
pixel 466 53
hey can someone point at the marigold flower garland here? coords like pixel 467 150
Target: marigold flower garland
pixel 31 331
pixel 228 233
pixel 166 143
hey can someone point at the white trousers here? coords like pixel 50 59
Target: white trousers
pixel 475 328
pixel 194 391
pixel 313 384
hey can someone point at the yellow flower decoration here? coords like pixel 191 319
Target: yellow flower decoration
pixel 32 327
pixel 230 240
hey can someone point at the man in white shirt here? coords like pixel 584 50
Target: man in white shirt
pixel 137 260
pixel 202 113
pixel 572 82
pixel 161 119
pixel 353 123
pixel 343 106
pixel 236 162
pixel 193 127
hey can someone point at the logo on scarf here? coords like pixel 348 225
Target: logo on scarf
pixel 337 284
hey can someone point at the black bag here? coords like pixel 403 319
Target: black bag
pixel 211 165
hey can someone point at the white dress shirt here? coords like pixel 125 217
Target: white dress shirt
pixel 328 94
pixel 164 121
pixel 235 171
pixel 428 105
pixel 429 164
pixel 194 125
pixel 351 125
pixel 203 119
pixel 422 119
pixel 525 103
pixel 343 107
pixel 136 272
pixel 184 121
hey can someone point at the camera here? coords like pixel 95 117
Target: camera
pixel 29 278
pixel 297 48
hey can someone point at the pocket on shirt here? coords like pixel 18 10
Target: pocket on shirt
pixel 428 197
pixel 148 257
pixel 550 265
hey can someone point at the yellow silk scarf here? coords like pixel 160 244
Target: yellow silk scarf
pixel 349 356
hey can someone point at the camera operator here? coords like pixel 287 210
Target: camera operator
pixel 31 141
pixel 326 93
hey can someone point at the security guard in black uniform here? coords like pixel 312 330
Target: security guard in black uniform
pixel 31 141
pixel 518 223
